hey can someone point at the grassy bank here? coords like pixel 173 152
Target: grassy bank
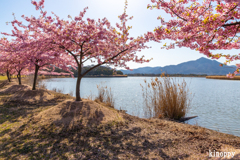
pixel 3 77
pixel 44 124
pixel 223 77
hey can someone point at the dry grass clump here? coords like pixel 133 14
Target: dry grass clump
pixel 42 85
pixel 91 97
pixel 105 96
pixel 166 98
pixel 58 90
pixel 71 93
pixel 42 77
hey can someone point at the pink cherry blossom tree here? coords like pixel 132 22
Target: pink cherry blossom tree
pixel 13 57
pixel 89 40
pixel 33 49
pixel 6 67
pixel 201 25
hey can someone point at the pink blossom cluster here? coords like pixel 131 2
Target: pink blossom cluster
pixel 203 26
pixel 38 5
pixel 50 41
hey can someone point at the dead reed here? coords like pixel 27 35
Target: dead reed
pixel 41 85
pixel 166 97
pixel 71 93
pixel 57 90
pixel 91 97
pixel 105 95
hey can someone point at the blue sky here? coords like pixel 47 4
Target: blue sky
pixel 143 20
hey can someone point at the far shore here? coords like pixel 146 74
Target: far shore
pixel 106 76
pixel 223 77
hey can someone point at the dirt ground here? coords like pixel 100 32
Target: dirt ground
pixel 44 124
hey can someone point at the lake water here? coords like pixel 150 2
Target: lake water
pixel 215 102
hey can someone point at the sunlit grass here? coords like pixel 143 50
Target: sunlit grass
pixel 3 77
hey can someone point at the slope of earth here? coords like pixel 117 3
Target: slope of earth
pixel 44 124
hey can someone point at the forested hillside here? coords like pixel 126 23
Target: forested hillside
pixel 101 70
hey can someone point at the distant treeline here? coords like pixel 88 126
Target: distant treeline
pixel 101 70
pixel 223 77
pixel 170 75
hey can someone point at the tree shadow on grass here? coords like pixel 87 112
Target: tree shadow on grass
pixel 3 83
pixel 14 88
pixel 12 111
pixel 74 114
pixel 237 156
pixel 23 102
pixel 31 96
pixel 106 141
pixel 2 133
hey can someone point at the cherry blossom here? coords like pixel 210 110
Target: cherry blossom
pixel 203 26
pixel 87 40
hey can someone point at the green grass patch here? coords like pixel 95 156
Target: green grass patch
pixel 3 77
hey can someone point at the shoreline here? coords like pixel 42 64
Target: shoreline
pixel 223 77
pixel 106 76
pixel 44 124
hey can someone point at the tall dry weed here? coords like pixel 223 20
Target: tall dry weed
pixel 90 97
pixel 166 97
pixel 105 95
pixel 58 90
pixel 71 93
pixel 41 85
pixel 101 93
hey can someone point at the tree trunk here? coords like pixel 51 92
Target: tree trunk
pixel 19 78
pixel 8 76
pixel 35 77
pixel 78 97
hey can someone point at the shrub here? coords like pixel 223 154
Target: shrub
pixel 165 97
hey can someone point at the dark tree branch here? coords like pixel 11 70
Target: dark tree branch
pixel 175 13
pixel 104 62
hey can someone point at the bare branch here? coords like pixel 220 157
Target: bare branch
pixel 105 61
pixel 175 13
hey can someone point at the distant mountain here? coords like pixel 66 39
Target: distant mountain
pixel 199 66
